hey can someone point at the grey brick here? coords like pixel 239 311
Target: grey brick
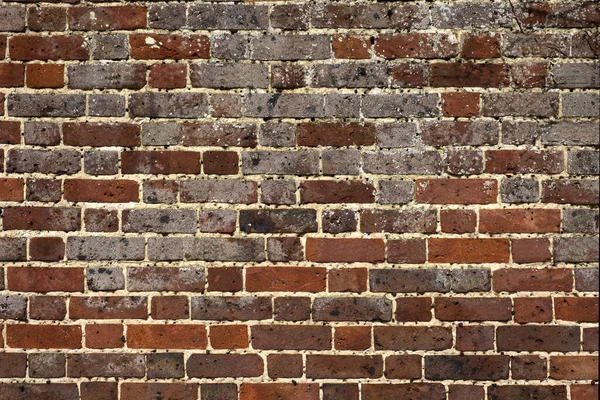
pixel 299 162
pixel 227 76
pixel 278 221
pixel 342 105
pixel 12 249
pixel 520 132
pixel 230 47
pixel 290 47
pixel 228 16
pixel 12 18
pixel 277 134
pixel 401 105
pixel 471 280
pixel 471 15
pixel 352 309
pixel 45 105
pixel 535 45
pixel 575 249
pixel 160 221
pixel 218 191
pixel 583 162
pixel 167 16
pixel 580 220
pixel 402 162
pixel 101 162
pixel 349 75
pixel 110 47
pixel 290 16
pixel 105 248
pixel 576 75
pixel 571 133
pixel 44 161
pixel 581 104
pixel 161 133
pixel 396 192
pixel 341 162
pixel 398 134
pixel 185 279
pixel 520 104
pixel 165 248
pixel 13 307
pixel 107 76
pixel 224 249
pixel 278 192
pixel 106 105
pixel 105 279
pixel 168 105
pixel 231 308
pixel 586 279
pixel 520 190
pixel 290 105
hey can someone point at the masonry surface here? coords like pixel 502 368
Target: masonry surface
pixel 292 200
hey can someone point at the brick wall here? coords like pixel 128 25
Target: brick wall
pixel 289 200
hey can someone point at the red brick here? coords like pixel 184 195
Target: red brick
pixel 347 280
pixel 473 309
pixel 158 390
pixel 104 336
pixel 343 366
pixel 10 132
pixel 12 75
pixel 160 47
pixel 530 250
pixel 42 218
pixel 224 366
pixel 458 221
pixel 279 391
pixel 518 220
pixel 579 309
pixel 286 279
pixel 47 18
pixel 170 307
pixel 168 76
pixel 45 75
pixel 108 307
pixel 533 309
pixel 403 367
pixel 345 250
pixel 326 191
pixel 529 367
pixel 533 279
pixel 457 191
pixel 524 162
pixel 351 46
pixel 469 75
pixel 107 18
pixel 43 336
pixel 285 365
pixel 413 309
pixel 45 279
pixel 412 391
pixel 100 135
pixel 147 336
pixel 12 189
pixel 529 75
pixel 480 45
pixel 574 367
pixel 474 338
pixel 229 336
pixel 412 337
pixel 468 250
pixel 59 47
pixel 225 279
pixel 352 337
pixel 160 162
pixel 416 45
pixel 336 134
pixel 584 392
pixel 460 104
pixel 406 251
pixel 46 249
pixel 101 191
pixel 220 162
pixel 291 337
pixel 47 307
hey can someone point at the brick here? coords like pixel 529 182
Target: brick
pixel 170 307
pixel 231 308
pixel 520 104
pixel 13 307
pixel 352 338
pixel 580 104
pixel 519 220
pixel 278 192
pixel 403 367
pixel 163 46
pixel 460 104
pixel 469 75
pixel 467 367
pixel 339 391
pixel 229 336
pixel 10 131
pixel 336 134
pixel 337 221
pixel 344 250
pixel 47 18
pixel 530 250
pixel 67 391
pixel 100 220
pixel 43 161
pixel 172 279
pixel 398 221
pixel 164 365
pixel 105 279
pixel 573 133
pixel 184 391
pixel 225 249
pixel 291 337
pixel 468 250
pixel 45 279
pixel 274 391
pixel 57 47
pixel 574 367
pixel 101 191
pixel 531 279
pixel 520 132
pixel 580 220
pixel 107 76
pixel 106 105
pixel 13 18
pixel 413 309
pixel 415 391
pixel 154 336
pixel 480 45
pixel 395 192
pixel 42 218
pixel 416 45
pixel 218 134
pixel 576 75
pixel 473 309
pixel 348 280
pixel 291 308
pixel 402 163
pixel 471 280
pixel 529 367
pixel 352 309
pixel 160 191
pixel 575 249
pixel 46 249
pixel 279 221
pixel 330 191
pixel 533 309
pixel 43 190
pixel 212 75
pixel 412 337
pixel 579 309
pixel 107 18
pixel 220 162
pixel 104 336
pixel 285 279
pixel 538 338
pixel 290 47
pixel 466 392
pixel 570 191
pixel 43 336
pixel 459 133
pixel 351 46
pixel 12 75
pixel 106 365
pixel 168 76
pixel 284 365
pixel 219 221
pixel 343 367
pixel 456 191
pixel 159 220
pixel 227 16
pixel 101 162
pixel 108 307
pixel 474 338
pixel 225 391
pixel 529 74
pixel 107 390
pixel 400 105
pixel 46 365
pixel 458 221
pixel 288 76
pixel 519 190
pixel 12 249
pixel 410 280
pixel 285 249
pixel 524 161
pixel 167 16
pixel 583 162
pixel 586 279
pixel 224 365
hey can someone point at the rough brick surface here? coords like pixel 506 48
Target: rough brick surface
pixel 299 200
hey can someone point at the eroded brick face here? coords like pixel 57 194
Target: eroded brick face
pixel 299 200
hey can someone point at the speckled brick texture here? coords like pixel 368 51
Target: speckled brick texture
pixel 299 200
